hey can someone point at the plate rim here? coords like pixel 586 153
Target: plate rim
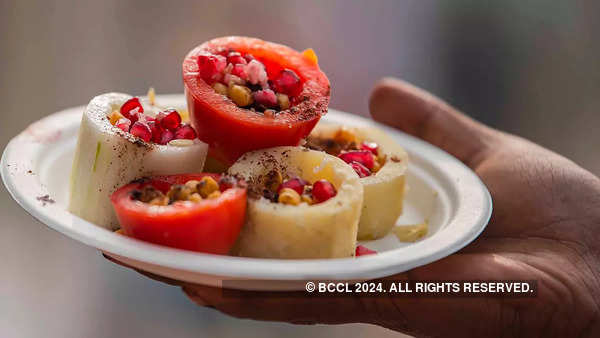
pixel 368 267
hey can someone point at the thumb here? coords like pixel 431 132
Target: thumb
pixel 416 112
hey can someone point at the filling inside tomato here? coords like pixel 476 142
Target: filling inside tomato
pixel 193 191
pixel 295 190
pixel 226 78
pixel 247 82
pixel 164 127
pixel 363 156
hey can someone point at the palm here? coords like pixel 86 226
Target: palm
pixel 541 227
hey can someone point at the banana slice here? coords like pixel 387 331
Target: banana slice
pixel 107 157
pixel 383 190
pixel 275 230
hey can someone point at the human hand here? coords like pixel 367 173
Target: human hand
pixel 544 227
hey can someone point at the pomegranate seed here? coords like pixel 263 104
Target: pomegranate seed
pixel 363 157
pixel 211 66
pixel 236 58
pixel 266 97
pixel 249 57
pixel 156 131
pixel 370 146
pixel 169 119
pixel 322 191
pixel 360 169
pixel 123 124
pixel 166 136
pixel 141 130
pixel 288 83
pixel 141 117
pixel 239 70
pixel 295 183
pixel 128 109
pixel 362 251
pixel 185 131
pixel 256 72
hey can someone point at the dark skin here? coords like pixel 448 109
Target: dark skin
pixel 544 227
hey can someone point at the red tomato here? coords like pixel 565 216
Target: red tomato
pixel 210 226
pixel 231 131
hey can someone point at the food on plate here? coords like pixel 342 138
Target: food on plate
pixel 381 164
pixel 246 94
pixel 411 233
pixel 362 250
pixel 317 218
pixel 122 138
pixel 198 212
pixel 252 108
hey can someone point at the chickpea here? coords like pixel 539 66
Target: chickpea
pixel 273 180
pixel 179 192
pixel 220 88
pixel 192 185
pixel 345 136
pixel 195 197
pixel 240 95
pixel 289 196
pixel 307 199
pixel 161 200
pixel 207 186
pixel 114 117
pixel 214 194
pixel 283 101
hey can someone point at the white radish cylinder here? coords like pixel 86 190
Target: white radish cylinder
pixel 107 158
pixel 276 230
pixel 384 190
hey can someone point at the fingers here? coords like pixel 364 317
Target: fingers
pixel 414 111
pixel 410 315
pixel 435 316
pixel 292 307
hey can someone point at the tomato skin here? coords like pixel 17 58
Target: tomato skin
pixel 231 131
pixel 210 226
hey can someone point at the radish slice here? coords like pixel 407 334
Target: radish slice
pixel 276 230
pixel 383 190
pixel 107 157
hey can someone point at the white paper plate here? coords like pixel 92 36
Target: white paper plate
pixel 443 191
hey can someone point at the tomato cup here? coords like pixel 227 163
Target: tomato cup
pixel 231 130
pixel 210 225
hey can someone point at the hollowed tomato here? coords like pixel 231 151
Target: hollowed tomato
pixel 211 225
pixel 230 130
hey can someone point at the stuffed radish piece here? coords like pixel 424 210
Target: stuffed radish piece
pixel 381 164
pixel 263 93
pixel 302 204
pixel 197 212
pixel 121 139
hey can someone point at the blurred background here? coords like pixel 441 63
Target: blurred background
pixel 527 67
